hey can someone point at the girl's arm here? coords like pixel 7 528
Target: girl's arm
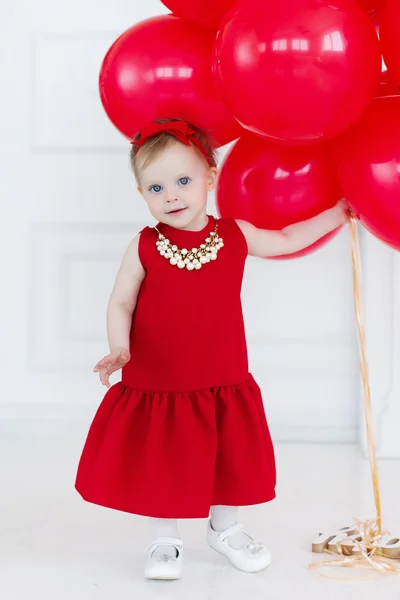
pixel 123 297
pixel 120 308
pixel 264 243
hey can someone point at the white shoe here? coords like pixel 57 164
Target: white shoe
pixel 251 557
pixel 163 566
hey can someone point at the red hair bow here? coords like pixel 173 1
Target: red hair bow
pixel 179 129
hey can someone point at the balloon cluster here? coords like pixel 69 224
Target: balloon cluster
pixel 301 83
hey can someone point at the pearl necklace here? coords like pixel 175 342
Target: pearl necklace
pixel 192 259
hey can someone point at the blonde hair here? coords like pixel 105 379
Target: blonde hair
pixel 157 143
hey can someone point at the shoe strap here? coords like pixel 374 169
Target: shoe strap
pixel 226 533
pixel 164 541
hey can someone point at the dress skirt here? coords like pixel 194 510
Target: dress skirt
pixel 175 454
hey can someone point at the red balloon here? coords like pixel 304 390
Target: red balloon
pixel 161 68
pixel 390 37
pixel 387 87
pixel 371 7
pixel 272 186
pixel 298 72
pixel 206 12
pixel 368 156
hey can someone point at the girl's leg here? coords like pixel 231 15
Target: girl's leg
pixel 164 528
pixel 223 517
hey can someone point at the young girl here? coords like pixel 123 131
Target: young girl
pixel 185 430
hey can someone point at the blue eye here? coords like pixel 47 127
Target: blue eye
pixel 155 188
pixel 184 180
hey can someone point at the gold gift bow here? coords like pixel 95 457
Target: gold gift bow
pixel 370 530
pixel 366 557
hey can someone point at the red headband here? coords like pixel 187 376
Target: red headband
pixel 179 129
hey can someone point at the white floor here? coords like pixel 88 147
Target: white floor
pixel 54 545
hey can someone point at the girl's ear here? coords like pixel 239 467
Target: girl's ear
pixel 140 189
pixel 212 179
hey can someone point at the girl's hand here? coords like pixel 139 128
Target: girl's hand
pixel 343 211
pixel 111 363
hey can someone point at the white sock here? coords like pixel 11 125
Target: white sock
pixel 164 528
pixel 223 517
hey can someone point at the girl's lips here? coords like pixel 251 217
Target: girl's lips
pixel 177 212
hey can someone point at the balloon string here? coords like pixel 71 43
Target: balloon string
pixel 358 303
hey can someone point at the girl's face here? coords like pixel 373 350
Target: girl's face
pixel 175 186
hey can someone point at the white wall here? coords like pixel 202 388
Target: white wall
pixel 69 208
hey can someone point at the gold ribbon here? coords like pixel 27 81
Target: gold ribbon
pixel 370 530
pixel 367 556
pixel 358 305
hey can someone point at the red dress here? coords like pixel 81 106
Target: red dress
pixel 185 428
